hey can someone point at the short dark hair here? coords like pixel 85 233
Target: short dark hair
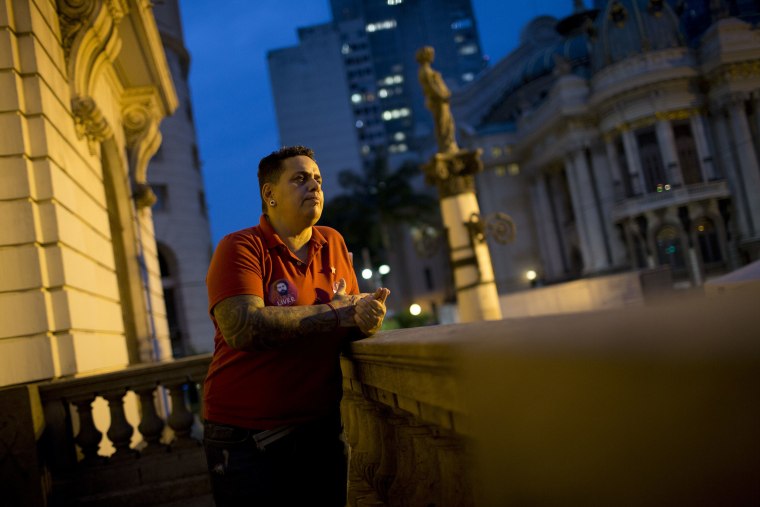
pixel 270 167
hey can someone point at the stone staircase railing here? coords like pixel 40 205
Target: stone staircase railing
pixel 166 465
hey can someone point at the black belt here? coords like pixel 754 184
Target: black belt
pixel 264 438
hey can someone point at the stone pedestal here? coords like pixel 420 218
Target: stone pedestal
pixel 454 176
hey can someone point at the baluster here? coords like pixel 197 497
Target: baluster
pixel 120 432
pixel 88 438
pixel 151 425
pixel 386 471
pixel 367 454
pixel 417 468
pixel 181 419
pixel 453 461
pixel 357 488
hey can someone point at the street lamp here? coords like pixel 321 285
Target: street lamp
pixel 415 309
pixel 532 276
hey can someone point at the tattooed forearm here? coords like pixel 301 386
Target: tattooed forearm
pixel 247 324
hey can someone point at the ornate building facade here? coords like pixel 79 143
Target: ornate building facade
pixel 623 137
pixel 84 88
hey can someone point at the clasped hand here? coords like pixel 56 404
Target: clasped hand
pixel 369 309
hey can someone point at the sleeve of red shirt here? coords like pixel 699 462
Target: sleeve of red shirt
pixel 235 269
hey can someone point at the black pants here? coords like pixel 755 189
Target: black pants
pixel 306 467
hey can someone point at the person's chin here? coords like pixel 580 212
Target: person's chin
pixel 315 214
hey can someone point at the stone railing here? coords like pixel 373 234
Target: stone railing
pixel 676 197
pixel 167 464
pixel 653 405
pixel 405 420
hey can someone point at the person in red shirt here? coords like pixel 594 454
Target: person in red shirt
pixel 284 299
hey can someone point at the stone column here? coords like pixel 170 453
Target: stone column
pixel 748 164
pixel 604 173
pixel 454 175
pixel 756 105
pixel 731 171
pixel 704 153
pixel 617 177
pixel 667 143
pixel 587 218
pixel 548 235
pixel 559 207
pixel 634 162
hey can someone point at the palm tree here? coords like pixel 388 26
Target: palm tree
pixel 375 201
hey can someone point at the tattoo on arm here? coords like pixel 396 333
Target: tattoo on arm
pixel 247 324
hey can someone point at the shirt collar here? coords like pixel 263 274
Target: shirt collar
pixel 273 240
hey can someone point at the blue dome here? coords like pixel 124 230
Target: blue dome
pixel 627 28
pixel 573 50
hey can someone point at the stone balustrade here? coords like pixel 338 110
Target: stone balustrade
pixel 166 464
pixel 653 405
pixel 405 420
pixel 676 197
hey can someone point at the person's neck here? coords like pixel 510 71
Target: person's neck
pixel 295 238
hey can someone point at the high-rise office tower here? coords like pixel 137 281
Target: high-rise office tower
pixel 350 90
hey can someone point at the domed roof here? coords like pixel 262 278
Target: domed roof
pixel 629 27
pixel 572 50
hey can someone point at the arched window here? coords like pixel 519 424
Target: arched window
pixel 172 298
pixel 163 265
pixel 708 241
pixel 669 249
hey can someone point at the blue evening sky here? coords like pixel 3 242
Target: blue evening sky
pixel 232 100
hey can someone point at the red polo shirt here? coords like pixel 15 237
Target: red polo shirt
pixel 289 385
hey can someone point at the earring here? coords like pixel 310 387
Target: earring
pixel 272 202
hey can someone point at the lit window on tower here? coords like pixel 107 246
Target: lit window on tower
pixel 381 25
pixel 469 49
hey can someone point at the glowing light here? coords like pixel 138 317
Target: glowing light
pixel 356 98
pixel 667 187
pixel 469 49
pixel 382 93
pixel 366 273
pixel 384 269
pixel 399 136
pixel 381 25
pixel 415 309
pixel 530 275
pixel 359 124
pixel 701 228
pixel 345 49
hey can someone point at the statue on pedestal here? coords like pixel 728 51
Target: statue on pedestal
pixel 453 171
pixel 437 96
